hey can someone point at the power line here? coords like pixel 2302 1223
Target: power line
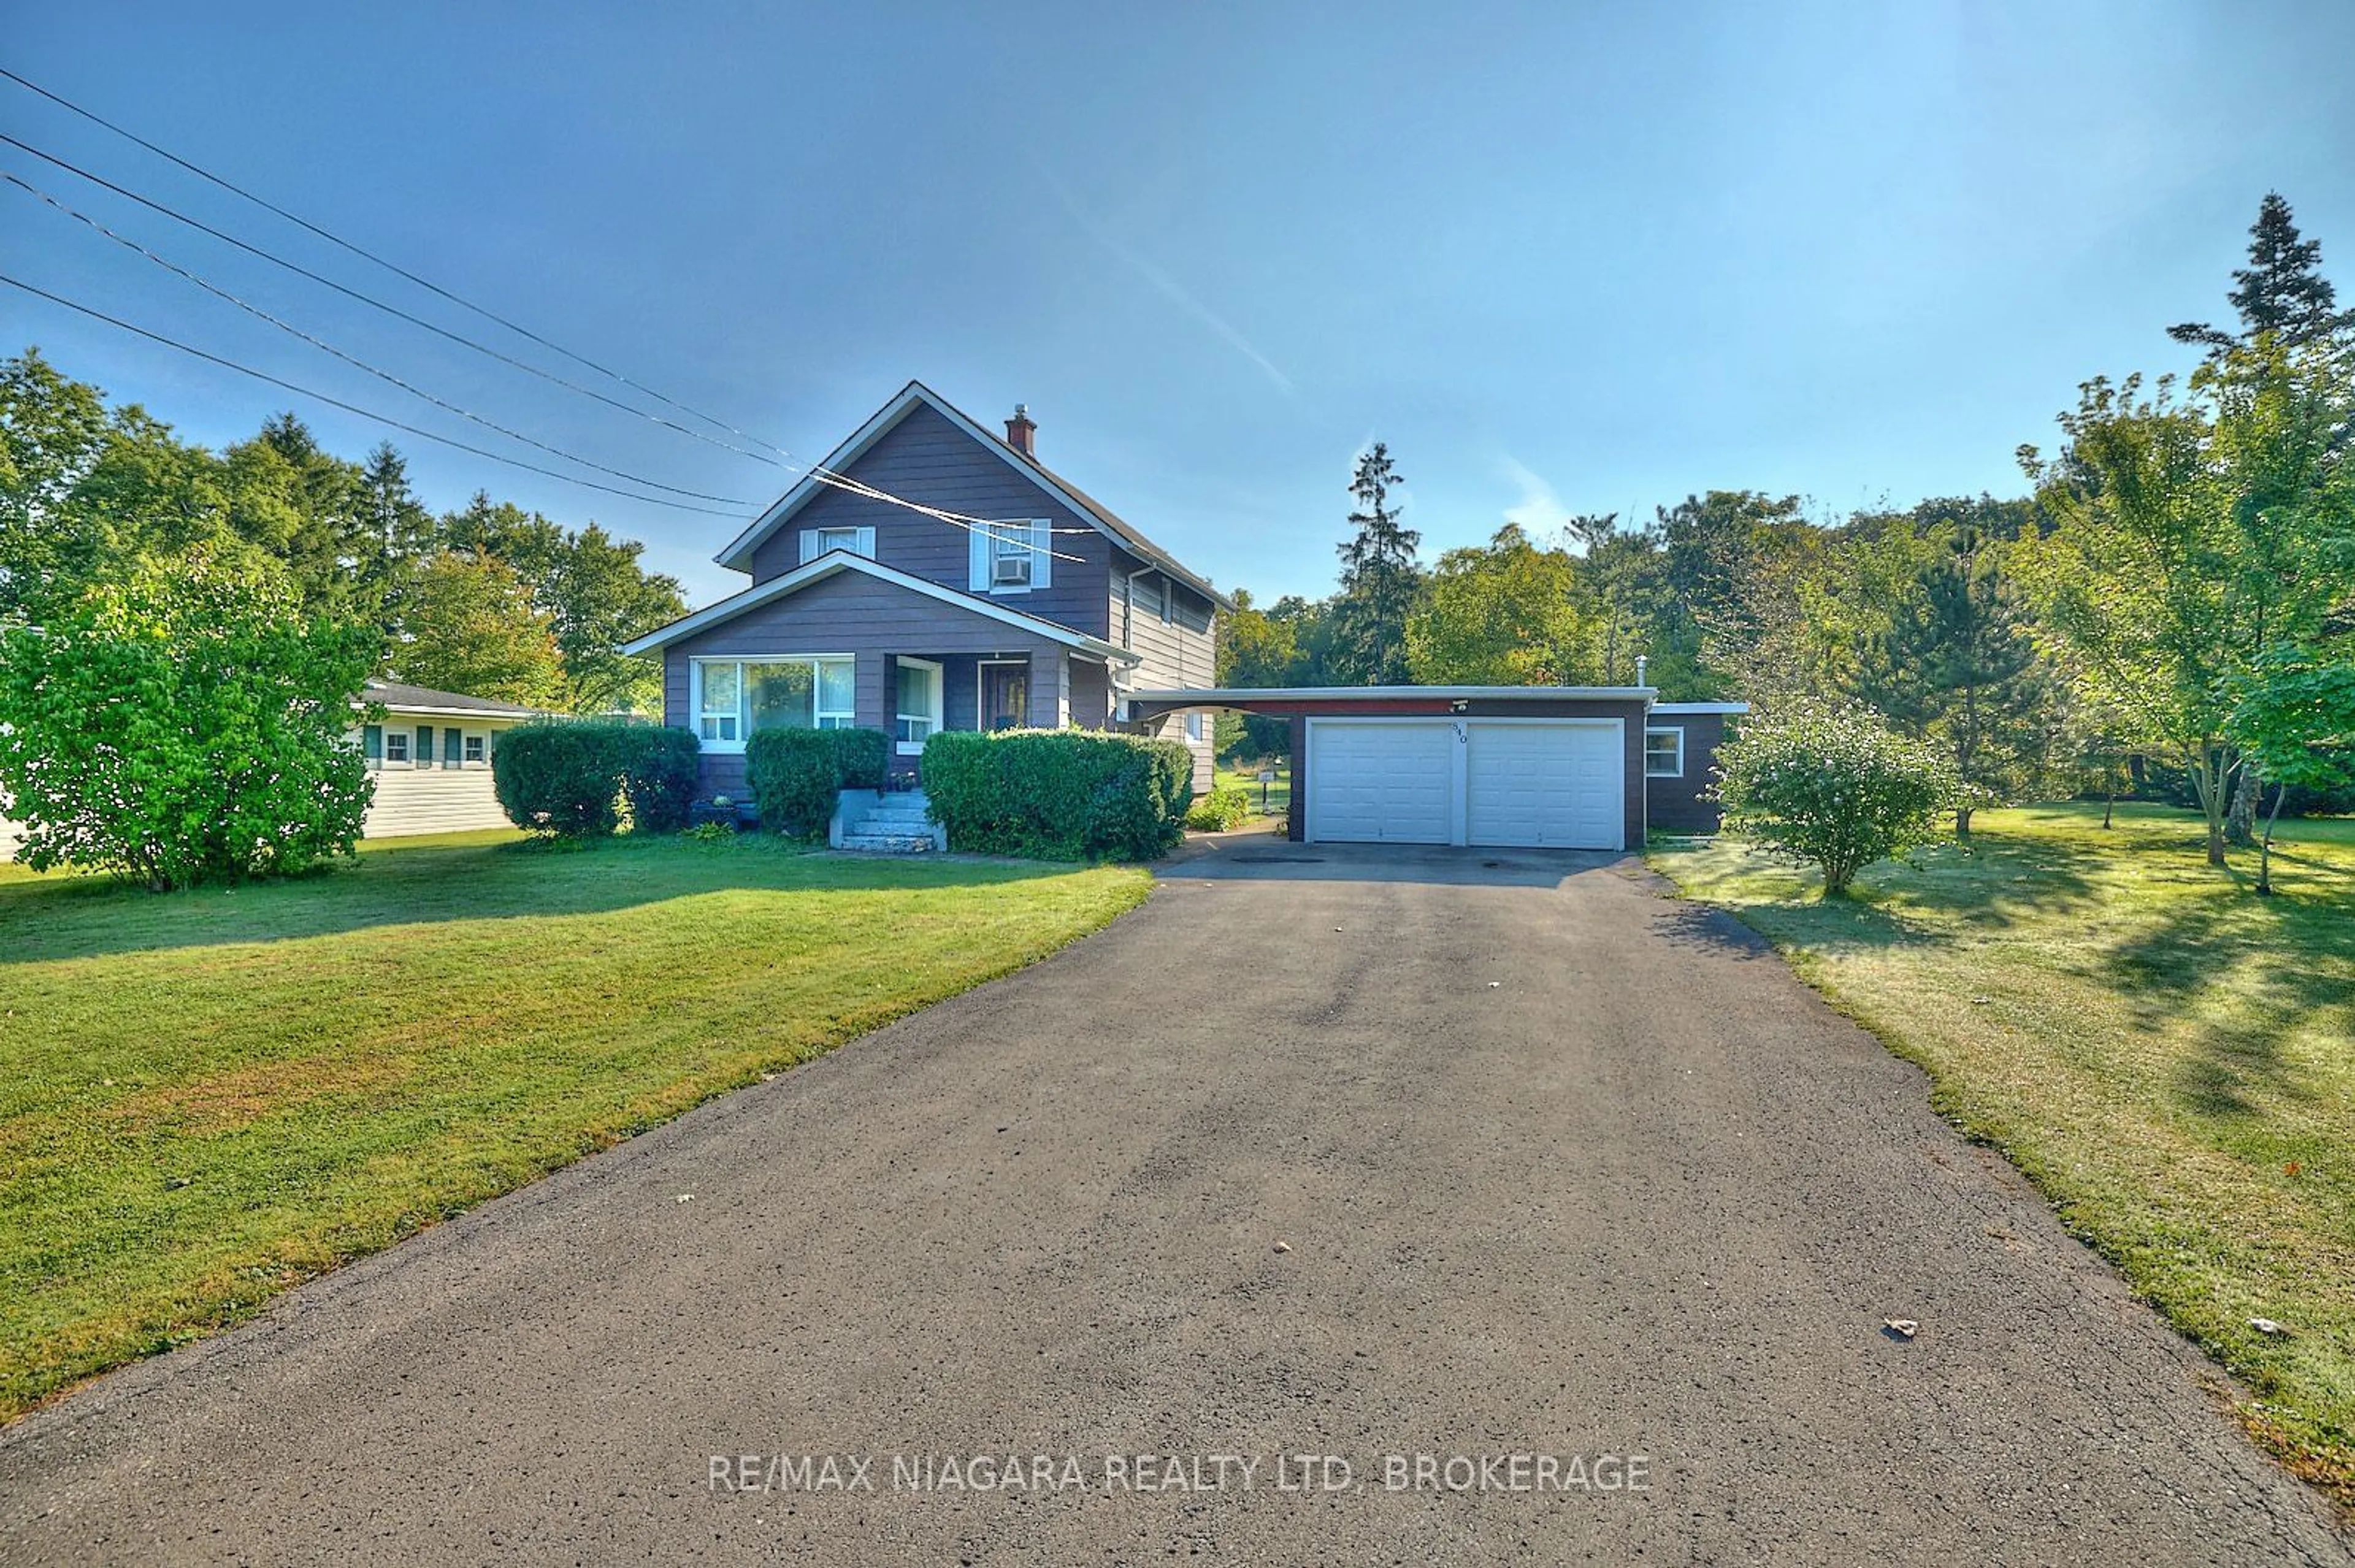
pixel 348 408
pixel 355 361
pixel 370 300
pixel 366 254
pixel 987 525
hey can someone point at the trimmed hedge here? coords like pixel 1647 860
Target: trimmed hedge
pixel 796 774
pixel 573 776
pixel 1222 810
pixel 1059 795
pixel 660 773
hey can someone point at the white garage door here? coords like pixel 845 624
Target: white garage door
pixel 1549 784
pixel 1534 782
pixel 1375 781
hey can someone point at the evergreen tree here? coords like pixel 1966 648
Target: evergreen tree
pixel 398 532
pixel 2282 290
pixel 1379 580
pixel 1956 666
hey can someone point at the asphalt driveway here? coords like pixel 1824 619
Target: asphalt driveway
pixel 1364 1157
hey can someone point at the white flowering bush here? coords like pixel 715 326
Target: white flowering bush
pixel 1832 787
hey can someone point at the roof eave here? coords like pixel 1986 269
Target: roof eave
pixel 725 610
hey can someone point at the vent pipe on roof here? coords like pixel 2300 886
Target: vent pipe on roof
pixel 1021 435
pixel 1640 662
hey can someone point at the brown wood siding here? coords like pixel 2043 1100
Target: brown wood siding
pixel 1677 805
pixel 926 459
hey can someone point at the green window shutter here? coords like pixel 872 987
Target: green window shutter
pixel 372 741
pixel 424 758
pixel 453 748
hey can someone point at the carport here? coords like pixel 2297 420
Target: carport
pixel 1536 767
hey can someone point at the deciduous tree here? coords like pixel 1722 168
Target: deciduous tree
pixel 1506 613
pixel 184 724
pixel 469 625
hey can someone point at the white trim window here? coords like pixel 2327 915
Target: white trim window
pixel 475 756
pixel 1013 557
pixel 920 702
pixel 733 697
pixel 1664 752
pixel 396 747
pixel 816 543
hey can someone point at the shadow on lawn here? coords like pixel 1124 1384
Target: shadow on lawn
pixel 87 917
pixel 2254 969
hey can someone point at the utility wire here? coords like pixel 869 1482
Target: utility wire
pixel 783 459
pixel 366 254
pixel 348 408
pixel 353 360
pixel 990 527
pixel 369 300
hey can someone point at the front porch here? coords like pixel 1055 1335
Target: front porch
pixel 908 696
pixel 1045 687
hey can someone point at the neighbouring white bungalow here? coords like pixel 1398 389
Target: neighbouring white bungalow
pixel 431 756
pixel 432 759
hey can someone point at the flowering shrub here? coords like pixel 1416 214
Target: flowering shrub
pixel 1832 787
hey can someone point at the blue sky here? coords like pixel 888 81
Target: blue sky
pixel 1583 259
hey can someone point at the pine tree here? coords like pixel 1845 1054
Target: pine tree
pixel 2282 290
pixel 1380 579
pixel 1955 665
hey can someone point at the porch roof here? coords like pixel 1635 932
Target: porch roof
pixel 836 562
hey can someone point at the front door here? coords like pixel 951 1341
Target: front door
pixel 1006 696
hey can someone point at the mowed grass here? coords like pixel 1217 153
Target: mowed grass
pixel 1279 793
pixel 2169 1056
pixel 208 1098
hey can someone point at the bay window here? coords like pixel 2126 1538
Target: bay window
pixel 733 697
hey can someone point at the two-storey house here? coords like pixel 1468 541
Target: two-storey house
pixel 931 575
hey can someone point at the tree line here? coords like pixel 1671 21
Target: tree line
pixel 2173 597
pixel 490 600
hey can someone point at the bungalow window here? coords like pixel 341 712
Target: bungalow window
pixel 474 750
pixel 735 697
pixel 1663 754
pixel 395 748
pixel 918 713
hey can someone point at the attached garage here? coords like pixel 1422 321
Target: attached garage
pixel 1537 782
pixel 1550 767
pixel 1382 780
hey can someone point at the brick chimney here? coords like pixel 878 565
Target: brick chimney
pixel 1020 433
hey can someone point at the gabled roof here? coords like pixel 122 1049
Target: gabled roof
pixel 738 553
pixel 836 560
pixel 425 699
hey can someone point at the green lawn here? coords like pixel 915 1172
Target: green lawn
pixel 208 1098
pixel 1279 794
pixel 2170 1057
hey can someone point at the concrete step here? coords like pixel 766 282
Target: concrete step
pixel 889 843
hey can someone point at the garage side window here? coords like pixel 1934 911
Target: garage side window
pixel 1663 754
